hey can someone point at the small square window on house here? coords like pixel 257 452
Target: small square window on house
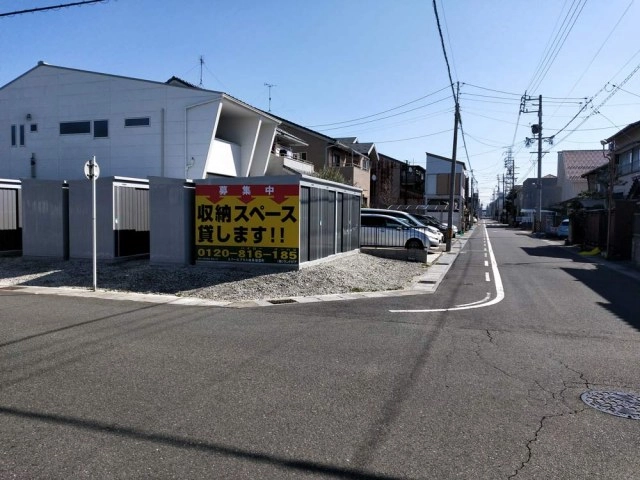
pixel 136 122
pixel 34 127
pixel 100 128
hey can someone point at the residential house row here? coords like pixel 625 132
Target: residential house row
pixel 56 118
pixel 599 189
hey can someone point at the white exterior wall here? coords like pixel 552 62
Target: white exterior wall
pixel 178 136
pixel 435 166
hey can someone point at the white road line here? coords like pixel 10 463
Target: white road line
pixel 488 296
pixel 487 277
pixel 497 280
pixel 486 263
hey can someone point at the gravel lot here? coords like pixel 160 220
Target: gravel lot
pixel 351 273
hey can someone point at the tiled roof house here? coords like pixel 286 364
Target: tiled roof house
pixel 572 164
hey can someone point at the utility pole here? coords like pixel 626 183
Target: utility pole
pixel 536 130
pixel 504 201
pixel 201 65
pixel 498 207
pixel 539 229
pixel 270 86
pixel 452 180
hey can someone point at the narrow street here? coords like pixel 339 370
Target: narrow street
pixel 465 383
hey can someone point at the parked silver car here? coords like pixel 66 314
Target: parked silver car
pixel 410 219
pixel 378 230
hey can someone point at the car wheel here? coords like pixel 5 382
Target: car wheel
pixel 413 243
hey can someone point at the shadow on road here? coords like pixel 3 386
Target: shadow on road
pixel 195 445
pixel 621 294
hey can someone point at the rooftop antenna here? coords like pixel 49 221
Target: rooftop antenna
pixel 201 65
pixel 269 85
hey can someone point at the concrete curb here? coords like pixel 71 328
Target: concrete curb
pixel 438 263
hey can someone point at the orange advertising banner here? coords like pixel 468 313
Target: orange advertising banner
pixel 248 223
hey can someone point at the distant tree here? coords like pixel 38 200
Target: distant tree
pixel 384 193
pixel 332 174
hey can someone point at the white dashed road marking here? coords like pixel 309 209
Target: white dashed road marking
pixel 497 280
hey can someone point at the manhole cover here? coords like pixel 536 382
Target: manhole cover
pixel 620 404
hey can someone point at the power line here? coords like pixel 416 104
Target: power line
pixel 413 138
pixel 548 45
pixel 490 89
pixel 596 110
pixel 444 51
pixel 613 29
pixel 379 113
pixel 384 118
pixel 446 27
pixel 557 45
pixel 358 131
pixel 489 96
pixel 52 7
pixel 626 91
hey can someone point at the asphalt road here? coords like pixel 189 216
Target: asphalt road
pixel 467 383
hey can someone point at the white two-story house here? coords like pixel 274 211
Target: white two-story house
pixel 54 119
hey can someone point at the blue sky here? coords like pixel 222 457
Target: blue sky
pixel 338 64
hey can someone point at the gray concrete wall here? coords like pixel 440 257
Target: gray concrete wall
pixel 45 218
pixel 172 207
pixel 80 219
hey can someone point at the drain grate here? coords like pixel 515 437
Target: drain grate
pixel 11 288
pixel 279 302
pixel 620 404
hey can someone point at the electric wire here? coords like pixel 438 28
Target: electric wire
pixel 379 113
pixel 604 42
pixel 414 138
pixel 51 7
pixel 553 54
pixel 548 45
pixel 444 51
pixel 446 27
pixel 384 118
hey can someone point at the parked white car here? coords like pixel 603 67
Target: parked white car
pixel 563 229
pixel 386 231
pixel 410 219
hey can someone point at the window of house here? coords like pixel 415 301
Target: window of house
pixel 624 163
pixel 302 156
pixel 137 122
pixel 100 128
pixel 635 167
pixel 336 159
pixel 13 135
pixel 74 128
pixel 22 135
pixel 34 127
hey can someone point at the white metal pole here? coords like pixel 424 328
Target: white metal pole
pixel 93 226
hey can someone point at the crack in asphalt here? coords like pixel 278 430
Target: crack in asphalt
pixel 487 362
pixel 490 335
pixel 582 377
pixel 535 438
pixel 556 396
